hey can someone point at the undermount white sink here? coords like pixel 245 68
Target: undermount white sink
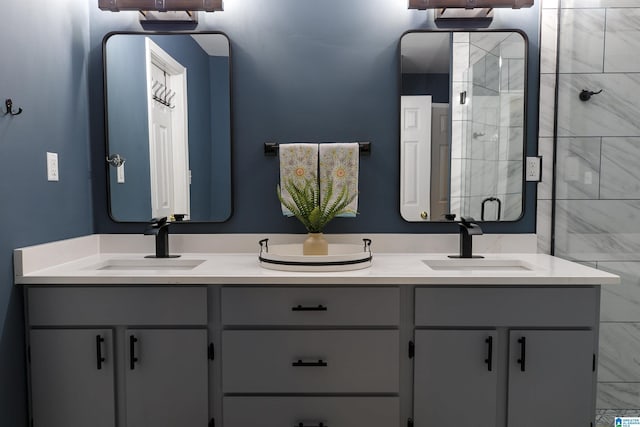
pixel 477 264
pixel 149 264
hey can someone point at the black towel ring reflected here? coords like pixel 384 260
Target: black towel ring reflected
pixel 9 106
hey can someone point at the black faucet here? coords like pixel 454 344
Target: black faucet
pixel 467 230
pixel 159 227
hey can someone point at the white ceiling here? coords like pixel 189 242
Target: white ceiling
pixel 213 44
pixel 427 53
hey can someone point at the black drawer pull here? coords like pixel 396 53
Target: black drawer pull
pixel 132 352
pixel 523 353
pixel 99 357
pixel 318 307
pixel 489 359
pixel 320 362
pixel 309 425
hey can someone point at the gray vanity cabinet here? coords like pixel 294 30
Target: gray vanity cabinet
pixel 333 356
pixel 72 377
pixel 118 356
pixel 311 356
pixel 514 357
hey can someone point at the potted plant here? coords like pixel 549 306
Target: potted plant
pixel 313 213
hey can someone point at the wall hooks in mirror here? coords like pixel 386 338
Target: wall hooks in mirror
pixel 162 94
pixel 271 148
pixel 586 95
pixel 8 103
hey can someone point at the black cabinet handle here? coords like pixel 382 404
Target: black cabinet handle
pixel 318 307
pixel 132 352
pixel 99 358
pixel 489 359
pixel 309 425
pixel 523 353
pixel 211 354
pixel 320 362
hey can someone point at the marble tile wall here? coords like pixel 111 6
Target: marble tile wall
pixel 597 209
pixel 548 49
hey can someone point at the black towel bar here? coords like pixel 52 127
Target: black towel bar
pixel 271 148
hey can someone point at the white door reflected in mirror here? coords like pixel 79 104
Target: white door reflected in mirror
pixel 415 152
pixel 168 136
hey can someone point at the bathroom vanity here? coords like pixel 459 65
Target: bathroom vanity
pixel 211 338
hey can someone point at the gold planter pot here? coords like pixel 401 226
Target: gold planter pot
pixel 315 244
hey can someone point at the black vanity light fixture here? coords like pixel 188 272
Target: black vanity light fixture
pixel 468 4
pixel 477 10
pixel 164 10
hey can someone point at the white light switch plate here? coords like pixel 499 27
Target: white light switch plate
pixel 533 170
pixel 52 167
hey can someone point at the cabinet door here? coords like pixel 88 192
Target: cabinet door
pixel 455 378
pixel 551 378
pixel 166 378
pixel 72 378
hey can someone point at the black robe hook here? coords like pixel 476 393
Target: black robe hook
pixel 9 105
pixel 586 95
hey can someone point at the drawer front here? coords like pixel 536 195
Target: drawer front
pixel 310 361
pixel 540 307
pixel 311 411
pixel 59 306
pixel 310 306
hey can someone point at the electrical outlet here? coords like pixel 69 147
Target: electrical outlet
pixel 52 167
pixel 534 169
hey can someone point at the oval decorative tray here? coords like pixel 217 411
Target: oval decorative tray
pixel 341 257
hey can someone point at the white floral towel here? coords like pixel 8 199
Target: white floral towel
pixel 298 163
pixel 339 164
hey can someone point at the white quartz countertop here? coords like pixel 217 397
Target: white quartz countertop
pixel 82 261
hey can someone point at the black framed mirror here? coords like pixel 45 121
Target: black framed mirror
pixel 463 125
pixel 168 126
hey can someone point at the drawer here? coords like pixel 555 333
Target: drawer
pixel 58 306
pixel 539 307
pixel 310 306
pixel 310 361
pixel 311 411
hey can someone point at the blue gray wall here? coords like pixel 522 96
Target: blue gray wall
pixel 44 65
pixel 436 85
pixel 220 131
pixel 312 71
pixel 127 98
pixel 302 71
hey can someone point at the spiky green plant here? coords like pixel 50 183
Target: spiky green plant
pixel 306 206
